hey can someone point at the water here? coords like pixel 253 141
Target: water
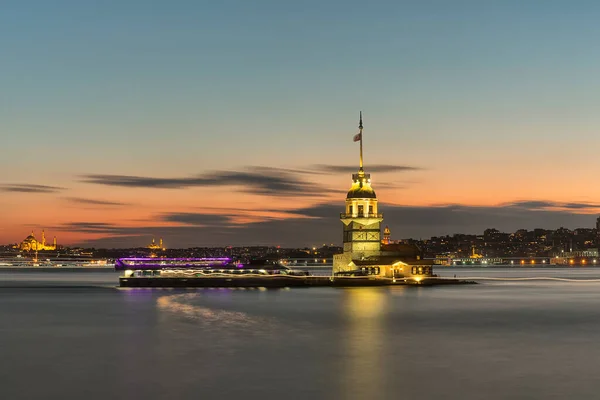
pixel 75 335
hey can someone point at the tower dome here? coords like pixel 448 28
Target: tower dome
pixel 361 187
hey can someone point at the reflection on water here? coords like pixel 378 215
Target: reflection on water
pixel 363 343
pixel 183 304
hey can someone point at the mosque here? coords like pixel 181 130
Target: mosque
pixel 32 244
pixel 364 251
pixel 154 246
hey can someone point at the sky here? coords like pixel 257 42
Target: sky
pixel 231 122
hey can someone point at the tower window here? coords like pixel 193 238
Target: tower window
pixel 350 210
pixel 361 209
pixel 370 209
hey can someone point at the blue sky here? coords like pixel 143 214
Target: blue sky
pixel 467 91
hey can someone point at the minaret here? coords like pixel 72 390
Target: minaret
pixel 43 238
pixel 161 244
pixel 55 243
pixel 362 222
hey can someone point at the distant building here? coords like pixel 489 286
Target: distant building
pixel 154 246
pixel 30 243
pixel 475 255
pixel 363 248
pixel 386 235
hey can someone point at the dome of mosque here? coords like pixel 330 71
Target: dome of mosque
pixel 31 243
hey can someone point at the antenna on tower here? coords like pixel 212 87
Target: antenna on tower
pixel 360 135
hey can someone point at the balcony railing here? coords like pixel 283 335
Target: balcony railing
pixel 356 215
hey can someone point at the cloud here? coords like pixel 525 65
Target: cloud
pixel 257 180
pixel 547 205
pixel 579 206
pixel 91 227
pixel 27 188
pixel 530 204
pixel 198 219
pixel 318 224
pixel 349 169
pixel 266 181
pixel 388 185
pixel 96 202
pixel 140 181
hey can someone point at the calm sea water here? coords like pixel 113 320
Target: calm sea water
pixel 76 335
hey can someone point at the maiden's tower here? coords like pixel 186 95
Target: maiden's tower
pixel 364 251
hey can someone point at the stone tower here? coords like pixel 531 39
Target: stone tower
pixel 361 220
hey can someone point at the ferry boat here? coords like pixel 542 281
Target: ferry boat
pixel 200 267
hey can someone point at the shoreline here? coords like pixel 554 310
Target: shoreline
pixel 280 281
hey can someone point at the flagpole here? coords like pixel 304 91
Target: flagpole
pixel 360 129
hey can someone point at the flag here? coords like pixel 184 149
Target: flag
pixel 357 137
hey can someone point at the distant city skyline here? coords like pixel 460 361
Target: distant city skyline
pixel 232 124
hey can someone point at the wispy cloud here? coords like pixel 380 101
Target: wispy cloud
pixel 552 205
pixel 267 181
pixel 91 227
pixel 28 188
pixel 257 180
pixel 389 185
pixel 371 168
pixel 95 202
pixel 198 219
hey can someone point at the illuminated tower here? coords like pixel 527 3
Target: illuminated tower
pixel 362 223
pixel 386 235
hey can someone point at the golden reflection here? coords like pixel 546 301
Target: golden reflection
pixel 364 302
pixel 362 344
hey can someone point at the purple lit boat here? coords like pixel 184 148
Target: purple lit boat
pixel 209 272
pixel 153 263
pixel 223 272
